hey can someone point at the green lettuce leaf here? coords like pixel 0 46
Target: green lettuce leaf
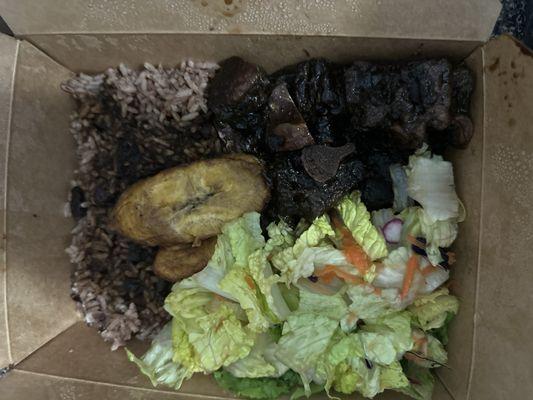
pixel 292 262
pixel 255 288
pixel 436 352
pixel 239 270
pixel 268 284
pixel 431 311
pixel 245 236
pixel 428 351
pixel 258 388
pixel 392 377
pixel 439 233
pixel 291 295
pixel 209 278
pixel 261 362
pixel 411 225
pixel 357 219
pixel 238 240
pixel 207 332
pixel 300 391
pixel 385 339
pixel 441 333
pixel 365 305
pixel 343 367
pixel 280 237
pixel 430 182
pixel 305 338
pixel 334 306
pixel 243 288
pixel 333 369
pixel 421 381
pixel 369 379
pixel 158 362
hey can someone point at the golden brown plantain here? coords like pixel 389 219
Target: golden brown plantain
pixel 191 202
pixel 181 261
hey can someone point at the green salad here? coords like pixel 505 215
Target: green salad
pixel 350 302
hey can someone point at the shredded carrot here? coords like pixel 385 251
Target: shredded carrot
pixel 250 282
pixel 330 270
pixel 357 256
pixel 416 242
pixel 352 250
pixel 328 278
pixel 377 291
pixel 412 266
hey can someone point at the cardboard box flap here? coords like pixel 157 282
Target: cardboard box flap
pixel 431 19
pixel 95 53
pixel 36 155
pixel 22 385
pixel 8 49
pixel 502 367
pixel 81 357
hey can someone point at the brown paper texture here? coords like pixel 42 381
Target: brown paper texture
pixel 39 166
pixel 503 367
pixel 430 19
pixel 8 49
pixel 468 181
pixel 490 347
pixel 95 53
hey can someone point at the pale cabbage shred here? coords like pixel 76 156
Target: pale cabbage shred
pixel 342 336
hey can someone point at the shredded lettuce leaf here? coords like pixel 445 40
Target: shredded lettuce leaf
pixel 292 263
pixel 261 362
pixel 431 183
pixel 334 306
pixel 256 289
pixel 411 225
pixel 238 240
pixel 399 187
pixel 158 364
pixel 431 311
pixel 442 333
pixel 258 388
pixel 268 285
pixel 421 381
pixel 245 236
pixel 207 332
pixel 393 270
pixel 365 305
pixel 254 319
pixel 439 233
pixel 345 369
pixel 386 339
pixel 280 237
pixel 357 219
pixel 305 338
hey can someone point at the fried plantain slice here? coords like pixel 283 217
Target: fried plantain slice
pixel 181 261
pixel 192 202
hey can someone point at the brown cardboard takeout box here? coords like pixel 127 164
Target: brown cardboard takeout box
pixel 57 357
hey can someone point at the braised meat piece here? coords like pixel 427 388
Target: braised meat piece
pixel 296 194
